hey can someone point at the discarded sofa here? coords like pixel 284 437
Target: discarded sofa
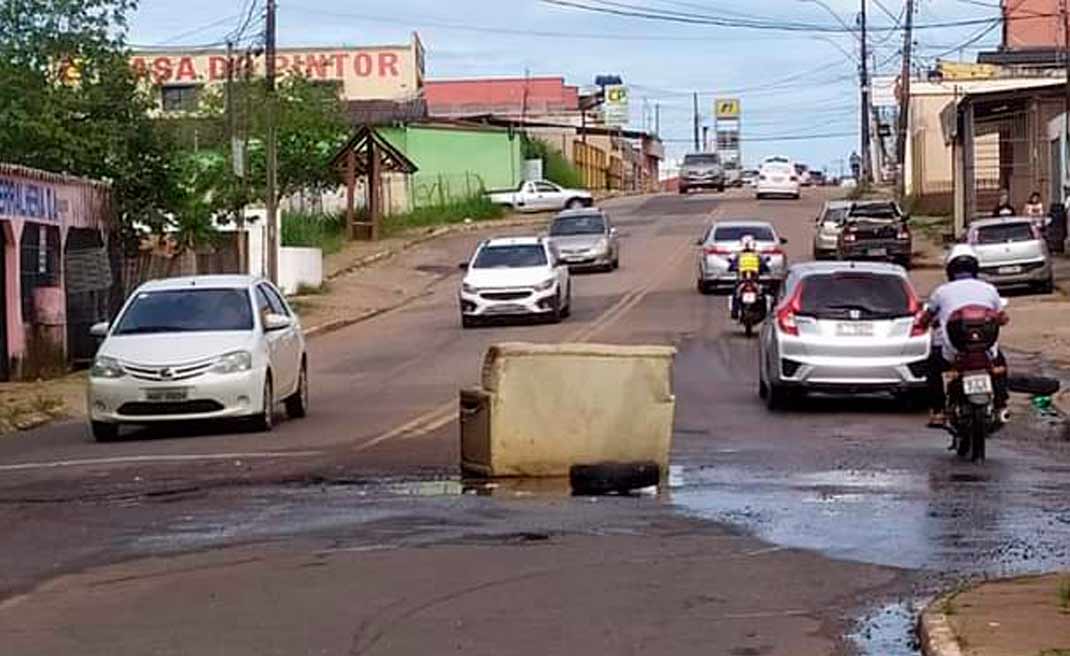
pixel 543 408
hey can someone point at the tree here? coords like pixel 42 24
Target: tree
pixel 70 103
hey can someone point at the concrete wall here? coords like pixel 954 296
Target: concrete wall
pixel 456 162
pixel 1033 24
pixel 544 408
pixel 300 267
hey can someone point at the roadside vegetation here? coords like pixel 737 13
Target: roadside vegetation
pixel 473 208
pixel 555 167
pixel 313 230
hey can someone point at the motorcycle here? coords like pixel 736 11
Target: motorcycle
pixel 971 381
pixel 753 301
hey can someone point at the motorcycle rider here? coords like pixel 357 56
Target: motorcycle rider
pixel 748 263
pixel 962 289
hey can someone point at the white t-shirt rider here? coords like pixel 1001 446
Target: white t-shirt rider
pixel 951 297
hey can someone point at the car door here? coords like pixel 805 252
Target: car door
pixel 293 347
pixel 276 345
pixel 614 238
pixel 548 196
pixel 560 270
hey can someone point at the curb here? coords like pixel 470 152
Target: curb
pixel 935 632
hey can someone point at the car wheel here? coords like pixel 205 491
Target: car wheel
pixel 297 403
pixel 759 196
pixel 574 204
pixel 103 431
pixel 567 311
pixel 616 263
pixel 720 189
pixel 795 197
pixel 705 288
pixel 467 321
pixel 776 397
pixel 264 421
pixel 557 313
pixel 1047 287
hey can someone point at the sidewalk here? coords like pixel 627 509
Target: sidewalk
pixel 1028 616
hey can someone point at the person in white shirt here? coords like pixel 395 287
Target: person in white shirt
pixel 962 289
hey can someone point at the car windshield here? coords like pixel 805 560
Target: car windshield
pixel 854 296
pixel 880 212
pixel 835 215
pixel 701 160
pixel 1004 233
pixel 735 233
pixel 588 224
pixel 187 311
pixel 510 257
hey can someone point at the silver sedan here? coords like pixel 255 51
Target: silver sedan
pixel 723 241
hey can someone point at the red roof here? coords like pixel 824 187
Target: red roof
pixel 500 96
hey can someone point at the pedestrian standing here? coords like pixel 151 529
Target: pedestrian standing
pixel 1034 209
pixel 1004 207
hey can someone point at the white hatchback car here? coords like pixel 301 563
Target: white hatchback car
pixel 519 276
pixel 198 348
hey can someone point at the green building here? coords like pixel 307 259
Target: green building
pixel 457 159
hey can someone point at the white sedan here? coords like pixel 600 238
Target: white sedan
pixel 777 179
pixel 519 276
pixel 198 348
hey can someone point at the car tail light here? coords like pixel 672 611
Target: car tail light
pixel 920 326
pixel 785 314
pixel 849 236
pixel 903 234
pixel 717 250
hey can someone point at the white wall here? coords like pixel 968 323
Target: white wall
pixel 297 266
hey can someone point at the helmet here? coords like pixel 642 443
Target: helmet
pixel 962 262
pixel 748 243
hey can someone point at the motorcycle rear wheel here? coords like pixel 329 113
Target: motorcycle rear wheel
pixel 978 432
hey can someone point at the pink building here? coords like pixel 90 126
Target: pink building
pixel 534 97
pixel 1032 25
pixel 55 276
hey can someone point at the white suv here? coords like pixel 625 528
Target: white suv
pixel 205 347
pixel 515 277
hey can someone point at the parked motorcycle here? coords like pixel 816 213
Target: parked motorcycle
pixel 972 380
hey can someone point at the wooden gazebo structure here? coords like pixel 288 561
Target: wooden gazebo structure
pixel 368 154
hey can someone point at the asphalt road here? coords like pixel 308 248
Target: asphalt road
pixel 809 532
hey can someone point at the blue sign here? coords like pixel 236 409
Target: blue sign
pixel 28 200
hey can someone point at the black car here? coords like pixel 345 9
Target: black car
pixel 876 230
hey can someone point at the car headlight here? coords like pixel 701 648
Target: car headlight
pixel 545 285
pixel 469 289
pixel 233 363
pixel 602 246
pixel 105 367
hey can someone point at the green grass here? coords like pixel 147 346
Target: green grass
pixel 476 208
pixel 309 230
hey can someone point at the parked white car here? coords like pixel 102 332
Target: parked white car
pixel 542 196
pixel 777 178
pixel 519 276
pixel 198 348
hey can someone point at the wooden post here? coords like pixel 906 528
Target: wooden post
pixel 351 184
pixel 374 200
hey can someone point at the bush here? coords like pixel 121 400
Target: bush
pixel 476 208
pixel 555 166
pixel 313 230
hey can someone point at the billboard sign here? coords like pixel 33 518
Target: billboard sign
pixel 616 106
pixel 727 108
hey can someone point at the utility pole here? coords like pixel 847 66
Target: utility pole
pixel 867 161
pixel 271 149
pixel 236 164
pixel 697 145
pixel 904 100
pixel 1065 7
pixel 657 119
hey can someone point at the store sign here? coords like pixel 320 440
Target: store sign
pixel 616 106
pixel 727 108
pixel 315 65
pixel 23 199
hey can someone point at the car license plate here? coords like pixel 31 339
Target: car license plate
pixel 854 329
pixel 778 180
pixel 749 297
pixel 167 394
pixel 1009 270
pixel 877 252
pixel 506 309
pixel 977 384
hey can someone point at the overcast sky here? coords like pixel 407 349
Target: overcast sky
pixel 799 89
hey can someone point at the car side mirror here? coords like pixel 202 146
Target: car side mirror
pixel 612 231
pixel 699 242
pixel 783 241
pixel 99 329
pixel 274 322
pixel 463 266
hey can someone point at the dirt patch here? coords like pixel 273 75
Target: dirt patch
pixel 28 405
pixel 1019 617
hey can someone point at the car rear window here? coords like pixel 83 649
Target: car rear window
pixel 586 224
pixel 1004 233
pixel 835 215
pixel 855 296
pixel 511 257
pixel 735 233
pixel 885 212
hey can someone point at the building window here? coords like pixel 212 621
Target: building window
pixel 180 98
